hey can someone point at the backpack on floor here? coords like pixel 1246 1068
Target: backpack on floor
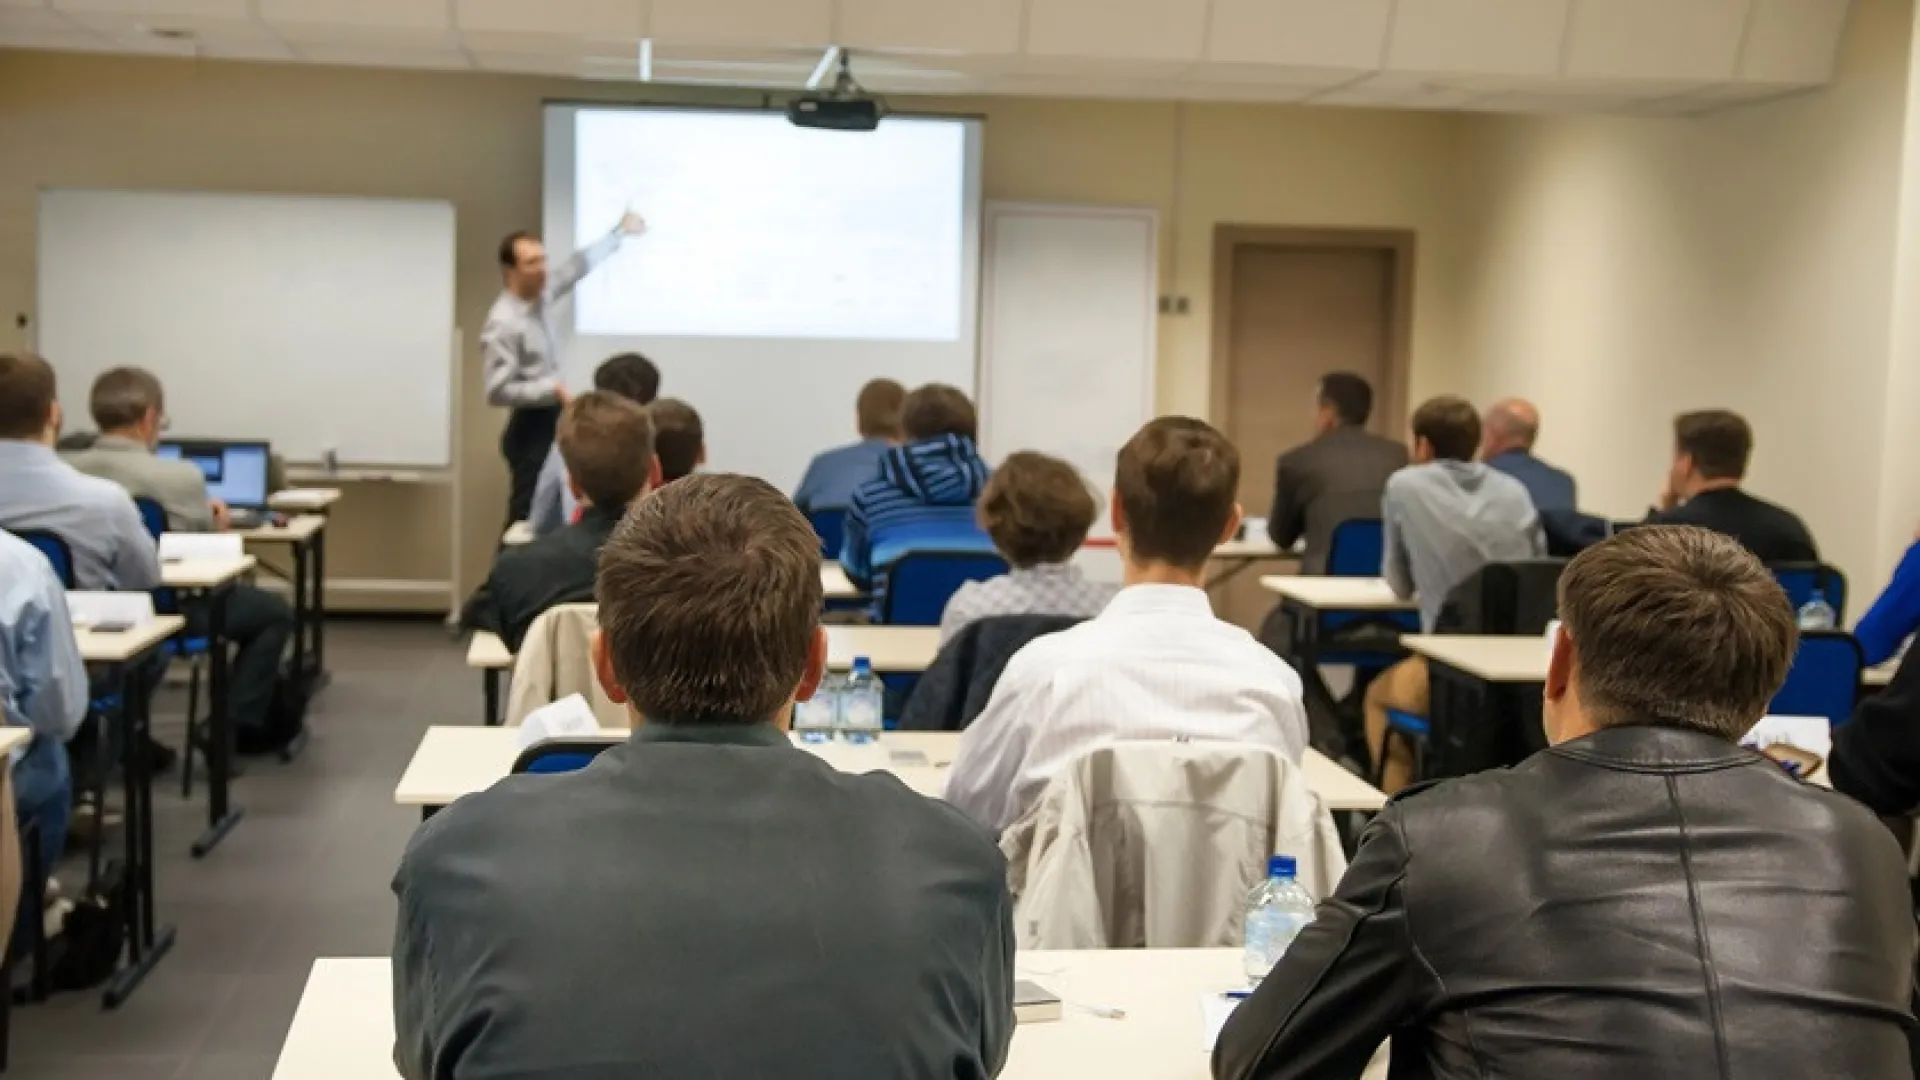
pixel 88 948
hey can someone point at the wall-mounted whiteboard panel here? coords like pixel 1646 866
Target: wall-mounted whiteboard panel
pixel 316 323
pixel 1068 332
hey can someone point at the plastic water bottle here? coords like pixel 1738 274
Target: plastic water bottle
pixel 862 703
pixel 814 720
pixel 1817 614
pixel 1277 910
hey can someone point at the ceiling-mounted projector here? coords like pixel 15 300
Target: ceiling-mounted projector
pixel 845 107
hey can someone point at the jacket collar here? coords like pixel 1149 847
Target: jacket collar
pixel 120 444
pixel 1654 746
pixel 760 734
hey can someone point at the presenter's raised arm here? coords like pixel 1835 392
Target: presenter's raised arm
pixel 587 258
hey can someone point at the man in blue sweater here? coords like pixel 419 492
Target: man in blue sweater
pixel 923 496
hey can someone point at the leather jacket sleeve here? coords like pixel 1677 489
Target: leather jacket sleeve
pixel 1347 982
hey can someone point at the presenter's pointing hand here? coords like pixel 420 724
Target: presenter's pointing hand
pixel 633 224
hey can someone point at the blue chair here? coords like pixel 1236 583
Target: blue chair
pixel 830 525
pixel 194 649
pixel 560 755
pixel 920 583
pixel 1416 731
pixel 1358 549
pixel 54 547
pixel 1802 580
pixel 1824 679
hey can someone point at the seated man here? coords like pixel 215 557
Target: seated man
pixel 130 409
pixel 607 443
pixel 1443 518
pixel 833 474
pixel 704 899
pixel 1876 755
pixel 43 687
pixel 679 439
pixel 1710 454
pixel 1156 663
pixel 1038 510
pixel 629 375
pixel 1509 431
pixel 1337 476
pixel 922 497
pixel 1644 899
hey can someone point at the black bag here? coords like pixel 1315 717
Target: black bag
pixel 286 716
pixel 88 948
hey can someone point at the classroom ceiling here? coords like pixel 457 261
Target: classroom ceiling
pixel 1619 56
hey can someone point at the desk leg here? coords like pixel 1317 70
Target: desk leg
pixel 317 605
pixel 145 944
pixel 490 697
pixel 220 817
pixel 303 672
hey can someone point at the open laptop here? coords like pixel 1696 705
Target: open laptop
pixel 236 473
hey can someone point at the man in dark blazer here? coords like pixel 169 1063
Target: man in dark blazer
pixel 1507 434
pixel 1711 449
pixel 1338 475
pixel 705 898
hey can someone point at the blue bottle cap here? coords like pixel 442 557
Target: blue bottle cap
pixel 862 665
pixel 1282 866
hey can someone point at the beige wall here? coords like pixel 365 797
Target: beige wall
pixel 475 140
pixel 1620 270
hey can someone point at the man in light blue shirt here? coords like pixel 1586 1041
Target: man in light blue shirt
pixel 630 375
pixel 43 687
pixel 833 475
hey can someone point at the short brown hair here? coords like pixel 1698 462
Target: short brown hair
pixel 27 393
pixel 879 407
pixel 606 443
pixel 678 438
pixel 122 396
pixel 1719 442
pixel 1678 625
pixel 709 597
pixel 1450 425
pixel 1176 483
pixel 1037 509
pixel 630 375
pixel 937 409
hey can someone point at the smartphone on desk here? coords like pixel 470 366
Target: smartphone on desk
pixel 112 626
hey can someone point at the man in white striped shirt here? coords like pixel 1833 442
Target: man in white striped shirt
pixel 1156 664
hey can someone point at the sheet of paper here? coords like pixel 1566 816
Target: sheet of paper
pixel 94 608
pixel 1214 1010
pixel 177 547
pixel 569 718
pixel 1813 734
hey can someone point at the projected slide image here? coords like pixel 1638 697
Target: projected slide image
pixel 756 228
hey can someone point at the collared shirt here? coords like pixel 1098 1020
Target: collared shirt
pixel 1047 589
pixel 558 568
pixel 833 475
pixel 178 486
pixel 111 546
pixel 517 341
pixel 1548 487
pixel 43 683
pixel 1443 521
pixel 1156 664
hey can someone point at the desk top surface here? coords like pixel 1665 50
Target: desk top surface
pixel 1252 547
pixel 1880 674
pixel 296 530
pixel 294 500
pixel 1499 658
pixel 204 573
pixel 120 647
pixel 1337 593
pixel 343 1028
pixel 518 533
pixel 486 650
pixel 891 648
pixel 835 583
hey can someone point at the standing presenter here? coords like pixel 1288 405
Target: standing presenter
pixel 519 349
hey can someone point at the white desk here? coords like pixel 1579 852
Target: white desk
pixel 305 536
pixel 1880 674
pixel 487 653
pixel 200 574
pixel 893 649
pixel 1494 658
pixel 455 761
pixel 118 648
pixel 212 575
pixel 12 738
pixel 343 1028
pixel 518 533
pixel 835 584
pixel 303 500
pixel 297 530
pixel 1337 593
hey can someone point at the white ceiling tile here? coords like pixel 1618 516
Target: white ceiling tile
pixel 26 5
pixel 1521 37
pixel 376 56
pixel 743 22
pixel 65 40
pixel 934 26
pixel 1321 33
pixel 1400 90
pixel 1656 39
pixel 1269 93
pixel 602 19
pixel 28 19
pixel 1098 68
pixel 507 43
pixel 1793 41
pixel 160 11
pixel 1118 29
pixel 1272 75
pixel 339 35
pixel 528 63
pixel 1057 86
pixel 1555 104
pixel 370 14
pixel 263 48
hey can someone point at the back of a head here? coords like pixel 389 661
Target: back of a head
pixel 1450 425
pixel 709 597
pixel 679 438
pixel 1177 483
pixel 1349 396
pixel 1512 423
pixel 1677 625
pixel 1719 442
pixel 878 409
pixel 606 442
pixel 27 394
pixel 630 375
pixel 937 409
pixel 123 396
pixel 1037 509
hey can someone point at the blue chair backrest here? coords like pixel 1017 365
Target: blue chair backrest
pixel 560 755
pixel 1824 679
pixel 830 525
pixel 54 547
pixel 1357 549
pixel 920 583
pixel 1801 580
pixel 153 516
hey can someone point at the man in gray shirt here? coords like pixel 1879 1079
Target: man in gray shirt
pixel 1444 517
pixel 519 348
pixel 705 898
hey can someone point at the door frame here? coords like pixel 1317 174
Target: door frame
pixel 1390 401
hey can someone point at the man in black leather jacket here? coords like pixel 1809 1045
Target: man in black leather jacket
pixel 1643 901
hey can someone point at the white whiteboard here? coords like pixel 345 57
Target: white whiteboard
pixel 315 323
pixel 1068 333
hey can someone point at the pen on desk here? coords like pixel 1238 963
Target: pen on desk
pixel 1237 995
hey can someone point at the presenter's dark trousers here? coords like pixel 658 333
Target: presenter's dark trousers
pixel 525 442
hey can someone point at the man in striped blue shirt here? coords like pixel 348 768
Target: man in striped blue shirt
pixel 923 498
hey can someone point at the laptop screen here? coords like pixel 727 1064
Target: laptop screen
pixel 236 472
